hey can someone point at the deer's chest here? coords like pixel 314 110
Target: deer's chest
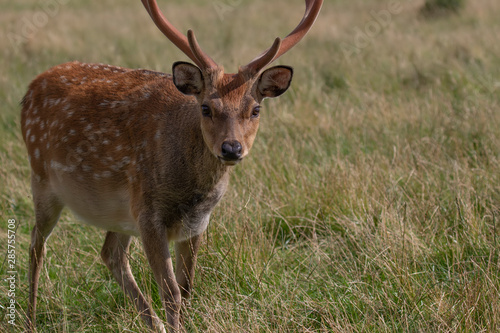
pixel 191 216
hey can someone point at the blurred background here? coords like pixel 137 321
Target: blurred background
pixel 369 203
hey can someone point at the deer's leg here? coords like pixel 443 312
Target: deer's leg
pixel 114 254
pixel 155 242
pixel 47 211
pixel 185 262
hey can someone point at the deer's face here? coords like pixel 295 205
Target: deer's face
pixel 229 105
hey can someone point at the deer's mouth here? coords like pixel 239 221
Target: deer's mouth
pixel 229 162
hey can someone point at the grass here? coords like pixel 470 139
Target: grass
pixel 370 201
pixel 434 7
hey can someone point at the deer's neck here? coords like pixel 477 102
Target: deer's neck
pixel 177 167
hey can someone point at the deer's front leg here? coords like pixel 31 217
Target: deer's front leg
pixel 155 242
pixel 185 262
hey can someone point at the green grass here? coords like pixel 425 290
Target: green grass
pixel 434 7
pixel 369 203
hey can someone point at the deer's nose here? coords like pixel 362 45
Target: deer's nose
pixel 231 150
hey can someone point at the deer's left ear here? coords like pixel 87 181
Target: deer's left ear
pixel 274 81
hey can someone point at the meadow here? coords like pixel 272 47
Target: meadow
pixel 369 203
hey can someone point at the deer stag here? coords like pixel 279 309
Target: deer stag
pixel 142 153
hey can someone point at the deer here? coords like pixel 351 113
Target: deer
pixel 145 154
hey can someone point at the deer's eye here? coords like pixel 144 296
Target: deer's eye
pixel 206 111
pixel 256 111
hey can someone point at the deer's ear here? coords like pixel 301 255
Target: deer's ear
pixel 275 81
pixel 187 78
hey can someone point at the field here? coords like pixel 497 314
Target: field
pixel 369 203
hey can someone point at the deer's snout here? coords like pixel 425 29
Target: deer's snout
pixel 231 151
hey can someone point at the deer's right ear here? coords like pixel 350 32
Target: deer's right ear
pixel 187 78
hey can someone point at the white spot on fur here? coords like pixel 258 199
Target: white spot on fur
pixel 53 101
pixel 104 103
pixel 30 94
pixel 32 139
pixel 58 166
pixel 37 153
pixel 118 166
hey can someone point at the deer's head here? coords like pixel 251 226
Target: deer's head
pixel 229 104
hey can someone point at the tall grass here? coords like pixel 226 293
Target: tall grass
pixel 370 201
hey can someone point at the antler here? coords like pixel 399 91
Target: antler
pixel 280 47
pixel 192 49
pixel 188 45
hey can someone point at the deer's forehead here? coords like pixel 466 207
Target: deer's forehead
pixel 231 89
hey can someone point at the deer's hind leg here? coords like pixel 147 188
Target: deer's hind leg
pixel 115 255
pixel 47 210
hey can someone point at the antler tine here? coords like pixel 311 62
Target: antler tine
pixel 203 58
pixel 263 59
pixel 311 13
pixel 178 39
